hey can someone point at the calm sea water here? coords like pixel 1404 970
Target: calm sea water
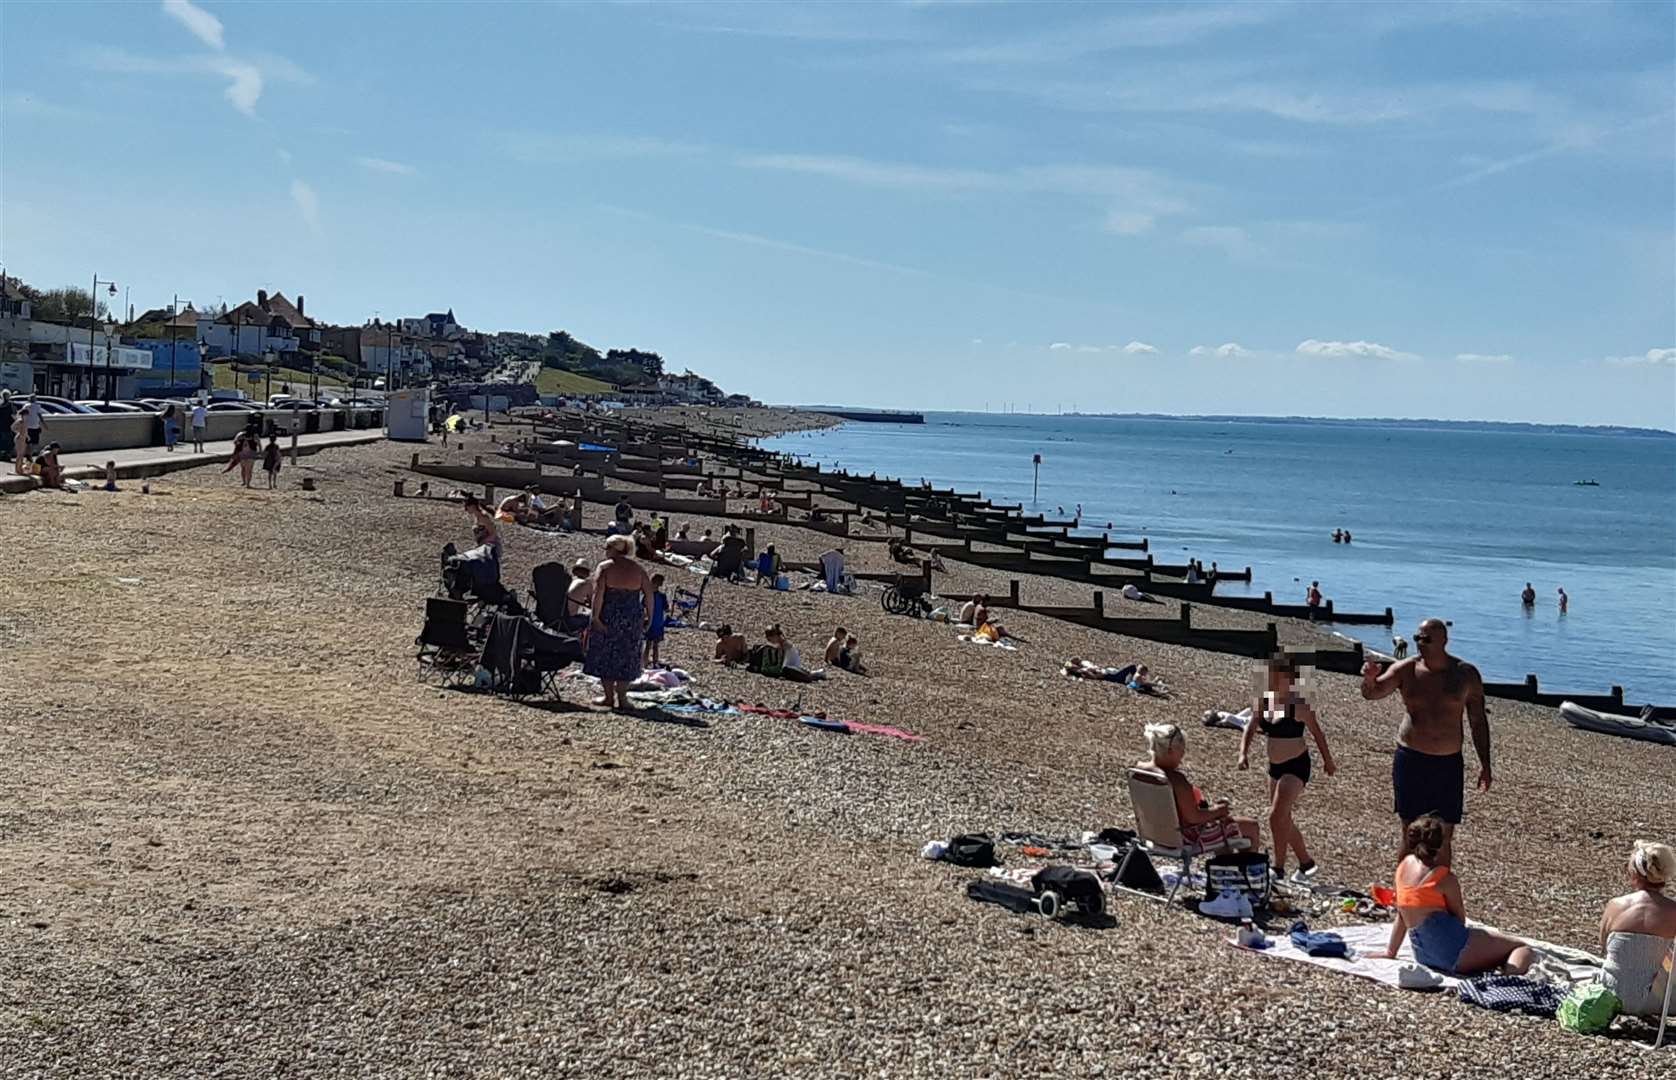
pixel 1447 522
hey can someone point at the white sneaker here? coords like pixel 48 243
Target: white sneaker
pixel 1415 977
pixel 1228 905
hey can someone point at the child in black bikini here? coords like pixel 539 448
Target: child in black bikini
pixel 1283 716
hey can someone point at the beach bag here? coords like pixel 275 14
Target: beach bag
pixel 782 583
pixel 1243 872
pixel 1589 1009
pixel 971 849
pixel 1071 886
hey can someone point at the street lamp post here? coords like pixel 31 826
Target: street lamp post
pixel 174 316
pixel 92 327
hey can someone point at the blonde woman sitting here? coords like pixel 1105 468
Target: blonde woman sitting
pixel 1204 824
pixel 1636 931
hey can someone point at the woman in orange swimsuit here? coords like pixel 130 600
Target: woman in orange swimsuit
pixel 1430 910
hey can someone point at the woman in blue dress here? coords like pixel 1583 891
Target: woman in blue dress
pixel 622 611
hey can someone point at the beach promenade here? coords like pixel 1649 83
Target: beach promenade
pixel 242 838
pixel 143 461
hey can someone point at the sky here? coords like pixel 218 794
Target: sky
pixel 1460 211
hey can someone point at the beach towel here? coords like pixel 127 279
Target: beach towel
pixel 1363 941
pixel 1512 993
pixel 1002 644
pixel 832 567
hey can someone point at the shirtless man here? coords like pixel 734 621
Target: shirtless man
pixel 1427 772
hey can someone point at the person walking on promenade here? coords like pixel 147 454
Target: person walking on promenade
pixel 1428 774
pixel 32 409
pixel 20 441
pixel 171 427
pixel 200 421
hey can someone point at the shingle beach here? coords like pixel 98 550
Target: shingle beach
pixel 240 837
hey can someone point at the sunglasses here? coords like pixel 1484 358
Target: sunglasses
pixel 1422 639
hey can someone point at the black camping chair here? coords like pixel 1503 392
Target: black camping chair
pixel 448 644
pixel 524 659
pixel 550 585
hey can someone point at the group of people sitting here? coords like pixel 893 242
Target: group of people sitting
pixel 530 507
pixel 1636 929
pixel 975 613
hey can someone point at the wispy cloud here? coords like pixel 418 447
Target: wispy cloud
pixel 246 77
pixel 1665 357
pixel 384 165
pixel 1139 348
pixel 1233 350
pixel 1493 359
pixel 540 148
pixel 1371 350
pixel 1138 197
pixel 244 83
pixel 1130 30
pixel 202 25
pixel 1232 239
pixel 307 204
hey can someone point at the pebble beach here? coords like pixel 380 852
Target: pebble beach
pixel 240 837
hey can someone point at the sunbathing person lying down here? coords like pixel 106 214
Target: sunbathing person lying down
pixel 1078 668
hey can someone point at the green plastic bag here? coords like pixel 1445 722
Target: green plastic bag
pixel 1588 1009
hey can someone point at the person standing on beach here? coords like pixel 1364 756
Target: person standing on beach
pixel 200 421
pixel 271 461
pixel 1428 774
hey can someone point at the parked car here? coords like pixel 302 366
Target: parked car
pixel 233 406
pixel 112 407
pixel 62 406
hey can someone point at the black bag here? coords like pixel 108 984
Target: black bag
pixel 1244 872
pixel 971 849
pixel 1135 871
pixel 1073 886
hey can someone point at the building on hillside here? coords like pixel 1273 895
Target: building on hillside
pixel 688 389
pixel 268 324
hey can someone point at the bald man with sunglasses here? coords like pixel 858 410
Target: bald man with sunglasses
pixel 1428 773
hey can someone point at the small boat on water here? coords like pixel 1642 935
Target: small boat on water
pixel 1585 483
pixel 1630 727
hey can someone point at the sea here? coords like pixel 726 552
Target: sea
pixel 1447 520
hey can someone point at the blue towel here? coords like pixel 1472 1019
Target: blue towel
pixel 1323 944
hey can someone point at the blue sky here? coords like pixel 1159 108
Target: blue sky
pixel 1444 210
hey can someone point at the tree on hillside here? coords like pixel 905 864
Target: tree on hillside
pixel 67 305
pixel 649 363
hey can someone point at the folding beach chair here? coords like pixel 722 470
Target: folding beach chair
pixel 550 585
pixel 1158 827
pixel 448 648
pixel 687 600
